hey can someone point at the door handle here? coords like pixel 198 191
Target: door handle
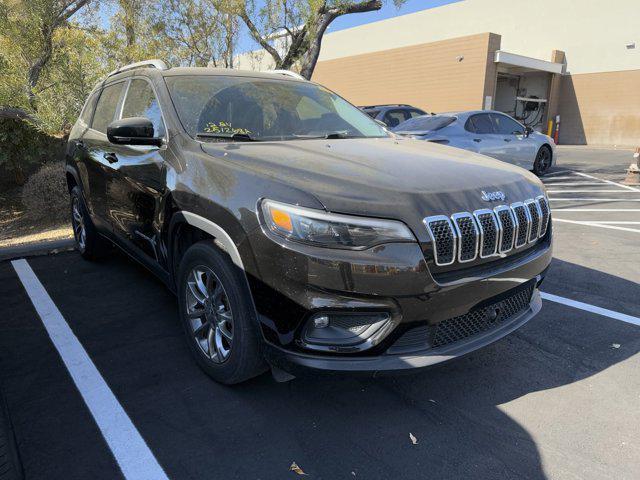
pixel 110 157
pixel 477 140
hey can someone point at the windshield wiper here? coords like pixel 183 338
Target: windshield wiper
pixel 327 136
pixel 240 137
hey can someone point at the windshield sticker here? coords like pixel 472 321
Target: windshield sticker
pixel 225 127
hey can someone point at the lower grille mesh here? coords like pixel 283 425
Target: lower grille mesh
pixel 465 326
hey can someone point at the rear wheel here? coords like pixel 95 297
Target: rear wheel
pixel 88 241
pixel 543 161
pixel 218 316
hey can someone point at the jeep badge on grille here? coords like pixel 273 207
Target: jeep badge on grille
pixel 493 196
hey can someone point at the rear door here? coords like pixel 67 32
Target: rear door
pixel 95 168
pixel 520 149
pixel 138 184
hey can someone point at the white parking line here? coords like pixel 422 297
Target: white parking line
pixel 558 173
pixel 594 224
pixel 623 317
pixel 129 449
pixel 572 184
pixel 593 190
pixel 608 181
pixel 579 199
pixel 560 209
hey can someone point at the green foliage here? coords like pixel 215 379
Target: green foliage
pixel 23 147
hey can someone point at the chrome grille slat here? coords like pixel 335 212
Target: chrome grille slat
pixel 536 216
pixel 465 236
pixel 443 237
pixel 544 208
pixel 523 220
pixel 467 230
pixel 507 227
pixel 489 232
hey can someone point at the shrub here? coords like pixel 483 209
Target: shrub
pixel 45 194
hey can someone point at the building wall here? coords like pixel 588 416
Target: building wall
pixel 600 109
pixel 592 34
pixel 439 76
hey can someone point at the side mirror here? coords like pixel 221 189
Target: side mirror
pixel 133 131
pixel 528 131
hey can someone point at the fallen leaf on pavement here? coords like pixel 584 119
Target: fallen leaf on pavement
pixel 295 468
pixel 616 345
pixel 413 439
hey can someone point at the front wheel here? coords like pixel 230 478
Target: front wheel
pixel 218 315
pixel 88 241
pixel 542 162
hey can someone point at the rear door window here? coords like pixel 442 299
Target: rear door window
pixel 107 106
pixel 141 101
pixel 480 124
pixel 505 125
pixel 426 123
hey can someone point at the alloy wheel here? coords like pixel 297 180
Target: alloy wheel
pixel 79 229
pixel 209 313
pixel 543 160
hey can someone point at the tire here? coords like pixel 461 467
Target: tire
pixel 218 316
pixel 88 241
pixel 10 465
pixel 543 161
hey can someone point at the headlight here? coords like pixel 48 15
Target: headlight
pixel 324 229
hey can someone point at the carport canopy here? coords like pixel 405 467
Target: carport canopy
pixel 520 64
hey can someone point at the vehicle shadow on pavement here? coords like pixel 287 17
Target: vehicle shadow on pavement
pixel 332 427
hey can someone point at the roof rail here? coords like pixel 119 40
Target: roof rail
pixel 288 73
pixel 155 63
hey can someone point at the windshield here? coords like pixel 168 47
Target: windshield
pixel 425 124
pixel 264 109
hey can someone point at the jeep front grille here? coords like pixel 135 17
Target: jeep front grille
pixel 464 236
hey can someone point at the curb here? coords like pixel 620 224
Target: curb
pixel 34 249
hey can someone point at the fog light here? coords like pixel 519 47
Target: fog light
pixel 344 329
pixel 321 321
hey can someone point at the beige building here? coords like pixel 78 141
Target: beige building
pixel 579 59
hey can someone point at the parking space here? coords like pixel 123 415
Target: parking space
pixel 556 399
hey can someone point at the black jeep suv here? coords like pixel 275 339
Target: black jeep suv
pixel 295 231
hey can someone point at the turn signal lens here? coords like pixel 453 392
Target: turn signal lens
pixel 281 220
pixel 331 230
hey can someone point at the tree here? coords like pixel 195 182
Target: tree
pixel 31 26
pixel 202 33
pixel 304 23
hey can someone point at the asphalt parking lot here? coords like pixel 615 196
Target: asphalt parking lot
pixel 557 399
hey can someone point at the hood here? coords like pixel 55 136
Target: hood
pixel 401 179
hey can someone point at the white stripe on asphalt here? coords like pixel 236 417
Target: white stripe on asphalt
pixel 593 224
pixel 607 222
pixel 593 190
pixel 573 184
pixel 560 209
pixel 577 199
pixel 558 173
pixel 623 317
pixel 129 449
pixel 607 181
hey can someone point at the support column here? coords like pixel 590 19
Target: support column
pixel 553 96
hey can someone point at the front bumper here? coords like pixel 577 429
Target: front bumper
pixel 300 363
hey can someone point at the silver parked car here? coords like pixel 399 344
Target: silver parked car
pixel 488 132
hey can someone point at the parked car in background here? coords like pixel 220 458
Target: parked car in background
pixel 392 115
pixel 490 133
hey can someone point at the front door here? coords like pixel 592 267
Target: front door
pixel 137 187
pixel 520 149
